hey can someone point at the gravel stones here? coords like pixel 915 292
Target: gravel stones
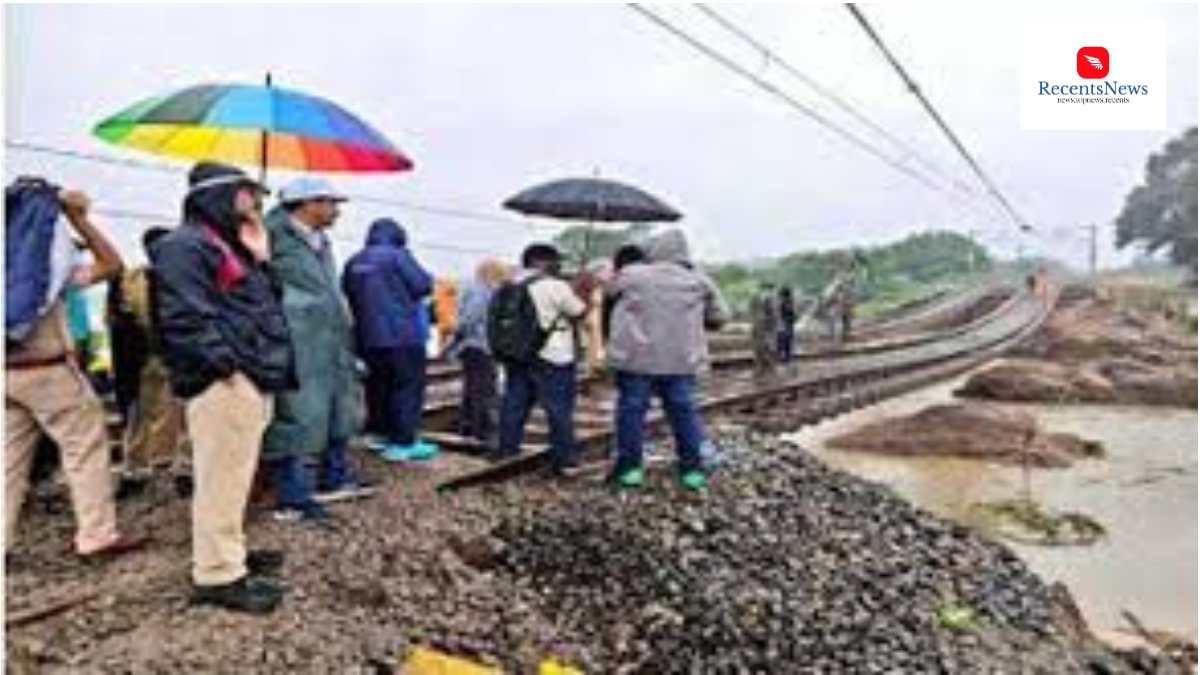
pixel 784 566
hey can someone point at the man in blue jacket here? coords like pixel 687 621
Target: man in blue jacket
pixel 386 286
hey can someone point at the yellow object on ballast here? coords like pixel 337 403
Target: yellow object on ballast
pixel 553 667
pixel 424 661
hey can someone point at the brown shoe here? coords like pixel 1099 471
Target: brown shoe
pixel 124 543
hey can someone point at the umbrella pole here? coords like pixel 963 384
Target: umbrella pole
pixel 262 168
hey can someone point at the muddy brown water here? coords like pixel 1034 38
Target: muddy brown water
pixel 1144 492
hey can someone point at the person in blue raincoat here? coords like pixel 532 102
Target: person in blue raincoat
pixel 313 424
pixel 387 288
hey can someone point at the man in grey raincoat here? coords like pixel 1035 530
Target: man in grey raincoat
pixel 316 422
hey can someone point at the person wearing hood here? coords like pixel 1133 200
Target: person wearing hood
pixel 228 351
pixel 314 424
pixel 657 348
pixel 386 288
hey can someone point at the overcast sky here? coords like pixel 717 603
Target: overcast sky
pixel 490 99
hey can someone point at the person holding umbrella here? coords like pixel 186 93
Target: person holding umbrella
pixel 228 351
pixel 316 422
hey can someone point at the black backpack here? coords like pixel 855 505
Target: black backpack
pixel 515 335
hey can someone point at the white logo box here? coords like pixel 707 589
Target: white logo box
pixel 1137 56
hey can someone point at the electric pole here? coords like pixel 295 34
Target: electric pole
pixel 1092 251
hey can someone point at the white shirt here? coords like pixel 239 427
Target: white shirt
pixel 555 301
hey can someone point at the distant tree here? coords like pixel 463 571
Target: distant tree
pixel 1160 214
pixel 602 240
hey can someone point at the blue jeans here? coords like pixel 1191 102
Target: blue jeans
pixel 400 385
pixel 633 401
pixel 551 386
pixel 293 478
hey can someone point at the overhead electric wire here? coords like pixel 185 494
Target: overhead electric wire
pixel 937 118
pixel 845 106
pixel 157 218
pixel 782 95
pixel 449 212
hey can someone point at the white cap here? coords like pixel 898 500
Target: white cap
pixel 309 187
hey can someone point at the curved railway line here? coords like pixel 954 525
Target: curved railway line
pixel 817 386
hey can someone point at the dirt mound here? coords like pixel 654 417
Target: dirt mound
pixel 1106 380
pixel 972 430
pixel 1092 328
pixel 1096 350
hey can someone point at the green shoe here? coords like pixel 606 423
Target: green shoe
pixel 423 450
pixel 693 480
pixel 631 478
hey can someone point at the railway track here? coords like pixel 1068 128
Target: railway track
pixel 441 410
pixel 819 386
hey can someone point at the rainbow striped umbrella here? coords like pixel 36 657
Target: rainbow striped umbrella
pixel 262 126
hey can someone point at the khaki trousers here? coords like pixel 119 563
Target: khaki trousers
pixel 226 424
pixel 156 421
pixel 58 401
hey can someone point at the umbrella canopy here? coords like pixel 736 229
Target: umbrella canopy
pixel 261 126
pixel 593 200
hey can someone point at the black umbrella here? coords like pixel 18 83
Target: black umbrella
pixel 591 200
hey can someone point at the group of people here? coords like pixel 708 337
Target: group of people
pixel 244 341
pixel 773 326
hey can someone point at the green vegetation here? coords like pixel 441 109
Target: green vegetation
pixel 890 275
pixel 1160 214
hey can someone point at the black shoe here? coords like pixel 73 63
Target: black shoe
pixel 263 562
pixel 250 595
pixel 129 486
pixel 184 486
pixel 502 455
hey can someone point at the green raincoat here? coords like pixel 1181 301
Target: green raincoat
pixel 326 406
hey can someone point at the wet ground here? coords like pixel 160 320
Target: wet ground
pixel 1144 492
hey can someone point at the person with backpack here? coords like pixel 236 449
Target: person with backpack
pixel 657 348
pixel 45 392
pixel 531 331
pixel 387 288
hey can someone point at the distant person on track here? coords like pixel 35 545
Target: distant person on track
pixel 658 348
pixel 764 328
pixel 787 324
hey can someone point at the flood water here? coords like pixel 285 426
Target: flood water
pixel 1144 492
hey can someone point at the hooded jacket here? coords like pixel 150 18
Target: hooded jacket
pixel 385 286
pixel 664 308
pixel 218 309
pixel 324 409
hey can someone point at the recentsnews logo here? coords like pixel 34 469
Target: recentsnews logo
pixel 1092 63
pixel 1093 76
